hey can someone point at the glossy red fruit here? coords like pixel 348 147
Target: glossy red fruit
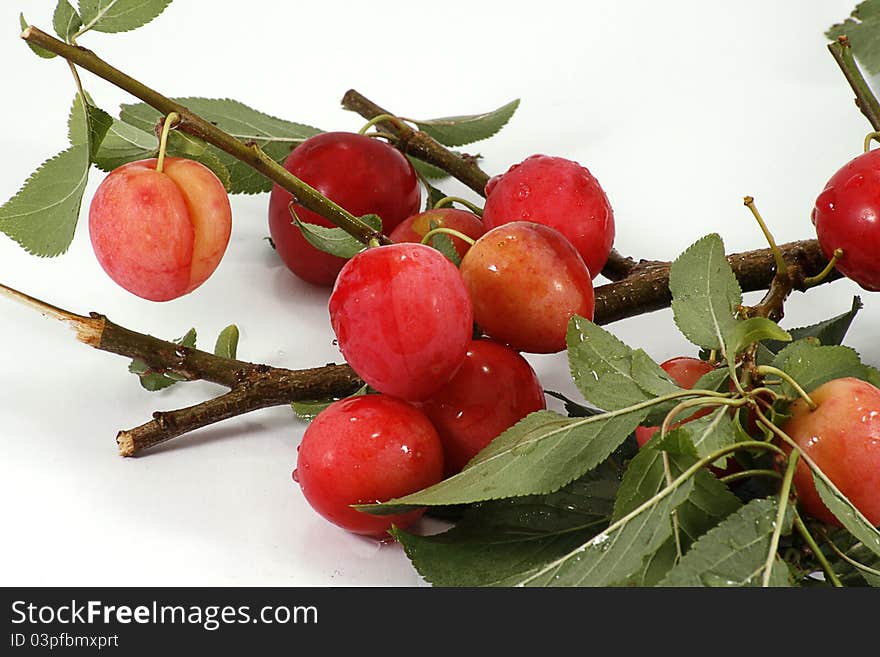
pixel 847 216
pixel 414 228
pixel 363 450
pixel 526 281
pixel 842 436
pixel 558 193
pixel 494 389
pixel 685 371
pixel 157 234
pixel 363 175
pixel 403 318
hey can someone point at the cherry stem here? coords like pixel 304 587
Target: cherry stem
pixel 745 474
pixel 193 124
pixel 867 103
pixel 781 267
pixel 869 138
pixel 449 200
pixel 722 399
pixel 442 230
pixel 769 369
pixel 167 124
pixel 801 528
pixel 784 493
pixel 858 565
pixel 381 118
pixel 810 281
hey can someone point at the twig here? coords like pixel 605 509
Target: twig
pixel 865 99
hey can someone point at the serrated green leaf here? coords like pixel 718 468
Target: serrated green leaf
pixel 42 216
pixel 755 329
pixel 335 241
pixel 119 15
pixel 811 364
pixel 443 243
pixel 497 541
pixel 88 125
pixel 461 130
pixel 308 410
pixel 540 454
pixel 153 380
pixel 227 342
pixel 66 20
pixel 872 376
pixel 734 553
pixel 849 516
pixel 276 137
pixel 863 31
pixel 609 374
pixel 705 293
pixel 434 195
pixel 125 143
pixel 37 50
pixel 427 171
pixel 830 332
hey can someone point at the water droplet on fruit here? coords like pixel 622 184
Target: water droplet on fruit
pixel 522 192
pixel 295 476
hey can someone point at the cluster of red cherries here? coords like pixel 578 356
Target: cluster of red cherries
pixel 439 345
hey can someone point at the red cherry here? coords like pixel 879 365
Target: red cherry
pixel 494 389
pixel 847 216
pixel 685 371
pixel 414 228
pixel 363 450
pixel 558 193
pixel 363 175
pixel 526 281
pixel 403 318
pixel 842 436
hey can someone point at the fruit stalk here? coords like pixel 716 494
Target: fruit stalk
pixel 867 103
pixel 196 126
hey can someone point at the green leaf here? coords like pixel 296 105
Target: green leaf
pixel 42 216
pixel 709 502
pixel 276 137
pixel 308 410
pixel 846 513
pixel 88 125
pixel 461 130
pixel 335 241
pixel 863 31
pixel 712 432
pixel 495 542
pixel 608 373
pixel 734 553
pixel 119 15
pixel 705 293
pixel 65 20
pixel 830 332
pixel 811 364
pixel 755 329
pixel 154 380
pixel 426 170
pixel 41 52
pixel 227 342
pixel 540 454
pixel 433 196
pixel 125 143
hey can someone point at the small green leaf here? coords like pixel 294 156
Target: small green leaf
pixel 705 293
pixel 862 30
pixel 461 130
pixel 849 516
pixel 42 217
pixel 428 171
pixel 227 342
pixel 335 241
pixel 734 553
pixel 830 332
pixel 540 454
pixel 65 20
pixel 119 15
pixel 444 244
pixel 755 329
pixel 434 195
pixel 88 125
pixel 124 143
pixel 37 50
pixel 308 410
pixel 276 137
pixel 609 374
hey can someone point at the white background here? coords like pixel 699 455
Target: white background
pixel 679 108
